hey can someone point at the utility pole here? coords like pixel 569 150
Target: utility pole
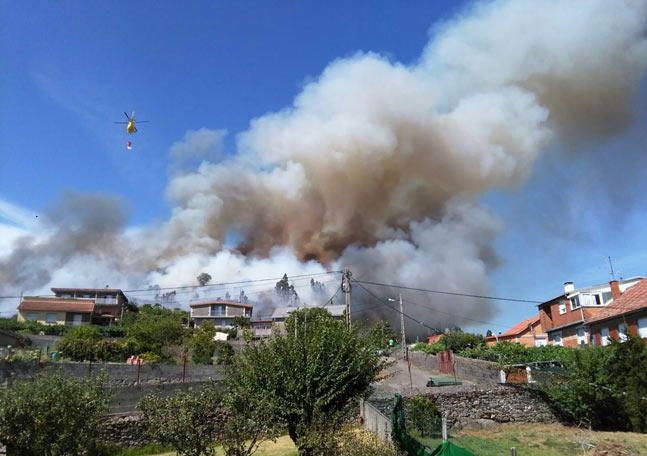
pixel 346 287
pixel 403 333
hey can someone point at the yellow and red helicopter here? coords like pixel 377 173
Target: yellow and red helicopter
pixel 131 128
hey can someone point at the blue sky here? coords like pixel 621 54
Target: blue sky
pixel 73 67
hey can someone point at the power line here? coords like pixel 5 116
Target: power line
pixel 224 285
pixel 451 293
pixel 426 306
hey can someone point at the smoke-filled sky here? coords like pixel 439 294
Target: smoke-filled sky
pixel 487 148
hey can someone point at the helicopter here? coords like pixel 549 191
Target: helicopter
pixel 130 125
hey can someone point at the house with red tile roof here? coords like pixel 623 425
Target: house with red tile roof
pixel 527 332
pixel 626 315
pixel 74 306
pixel 564 318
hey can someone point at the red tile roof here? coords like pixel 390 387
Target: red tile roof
pixel 635 298
pixel 519 327
pixel 37 304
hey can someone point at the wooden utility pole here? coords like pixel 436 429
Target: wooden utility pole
pixel 346 287
pixel 403 333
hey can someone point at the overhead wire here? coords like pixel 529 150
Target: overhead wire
pixel 422 305
pixel 450 293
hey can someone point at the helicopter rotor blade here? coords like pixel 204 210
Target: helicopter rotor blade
pixel 122 123
pixel 143 121
pixel 127 116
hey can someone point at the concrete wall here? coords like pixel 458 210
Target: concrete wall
pixel 376 420
pixel 118 373
pixel 474 370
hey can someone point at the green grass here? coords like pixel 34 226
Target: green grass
pixel 545 440
pixel 282 447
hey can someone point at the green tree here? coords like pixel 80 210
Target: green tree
pixel 313 373
pixel 242 322
pixel 186 421
pixel 224 353
pixel 424 415
pixel 459 340
pixel 202 343
pixel 379 334
pixel 80 343
pixel 52 416
pixel 627 375
pixel 157 327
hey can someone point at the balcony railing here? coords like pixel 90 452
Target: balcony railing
pixel 106 301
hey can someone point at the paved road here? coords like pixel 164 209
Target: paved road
pixel 400 381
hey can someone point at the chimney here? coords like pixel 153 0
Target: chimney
pixel 569 287
pixel 615 289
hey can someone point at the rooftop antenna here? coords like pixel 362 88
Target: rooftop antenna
pixel 613 274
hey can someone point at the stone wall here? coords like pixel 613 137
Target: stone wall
pixel 499 403
pixel 130 431
pixel 467 405
pixel 118 373
pixel 473 370
pixel 124 399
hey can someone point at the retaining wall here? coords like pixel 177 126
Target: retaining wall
pixel 375 420
pixel 467 405
pixel 118 373
pixel 474 370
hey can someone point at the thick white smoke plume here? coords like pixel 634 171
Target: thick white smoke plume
pixel 378 165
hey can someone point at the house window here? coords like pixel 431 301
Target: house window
pixel 581 337
pixel 52 318
pixel 562 307
pixel 217 310
pixel 607 296
pixel 642 327
pixel 575 303
pixel 622 332
pixel 32 316
pixel 556 338
pixel 77 319
pixel 604 336
pixel 540 342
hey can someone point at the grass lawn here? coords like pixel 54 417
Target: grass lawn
pixel 529 439
pixel 282 447
pixel 547 440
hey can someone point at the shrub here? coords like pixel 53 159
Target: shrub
pixel 604 387
pixel 115 350
pixel 424 416
pixel 186 421
pixel 224 353
pixel 79 344
pixel 458 340
pixel 360 442
pixel 51 416
pixel 202 344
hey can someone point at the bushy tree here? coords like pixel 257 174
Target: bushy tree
pixel 186 421
pixel 604 387
pixel 79 344
pixel 157 327
pixel 224 353
pixel 202 343
pixel 312 373
pixel 52 416
pixel 379 334
pixel 424 415
pixel 459 340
